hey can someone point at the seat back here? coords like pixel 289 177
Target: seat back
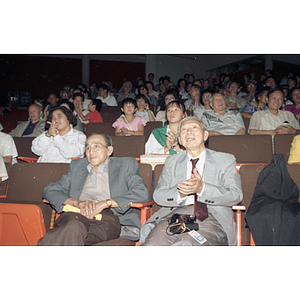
pixel 249 175
pixel 246 122
pixel 245 148
pixel 146 175
pixel 27 181
pixel 282 144
pixel 110 113
pixel 4 184
pixel 105 127
pixel 23 145
pixel 150 126
pixel 132 146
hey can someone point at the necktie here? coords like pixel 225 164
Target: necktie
pixel 200 209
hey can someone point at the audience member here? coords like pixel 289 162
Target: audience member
pixel 219 121
pixel 271 82
pixel 181 85
pixel 273 120
pixel 94 109
pixel 60 142
pixel 163 140
pixel 8 149
pixel 259 103
pixel 94 90
pixel 143 108
pixel 65 94
pixel 52 100
pixel 294 108
pixel 251 88
pixel 69 105
pixel 214 185
pixel 42 103
pixel 129 124
pixel 206 94
pixel 152 99
pixel 191 104
pixel 97 184
pixel 165 99
pixel 294 157
pixel 3 171
pixel 106 99
pixel 125 91
pixel 233 101
pixel 151 91
pixel 87 98
pixel 34 126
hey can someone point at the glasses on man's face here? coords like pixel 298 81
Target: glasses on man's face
pixel 252 85
pixel 206 96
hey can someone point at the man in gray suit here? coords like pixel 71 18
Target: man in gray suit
pixel 213 182
pixel 34 127
pixel 97 184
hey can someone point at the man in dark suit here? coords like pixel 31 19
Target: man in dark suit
pixel 98 186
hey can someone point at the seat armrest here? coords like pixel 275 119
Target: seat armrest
pixel 142 204
pixel 239 208
pixel 28 159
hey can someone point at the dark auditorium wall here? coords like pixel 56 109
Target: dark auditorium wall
pixel 42 75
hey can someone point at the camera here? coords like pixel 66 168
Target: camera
pixel 182 223
pixel 187 219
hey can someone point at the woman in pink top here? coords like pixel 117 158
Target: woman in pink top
pixel 128 124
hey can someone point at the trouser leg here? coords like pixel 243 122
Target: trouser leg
pixel 70 229
pixel 209 228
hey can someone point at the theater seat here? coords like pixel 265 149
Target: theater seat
pixel 24 216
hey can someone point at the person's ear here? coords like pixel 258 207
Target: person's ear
pixel 110 150
pixel 206 135
pixel 122 109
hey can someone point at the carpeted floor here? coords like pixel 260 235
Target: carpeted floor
pixel 9 120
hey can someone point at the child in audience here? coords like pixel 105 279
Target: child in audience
pixel 129 124
pixel 143 110
pixel 94 111
pixel 163 140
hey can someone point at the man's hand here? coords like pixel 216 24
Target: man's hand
pixel 191 186
pixel 284 129
pixel 232 104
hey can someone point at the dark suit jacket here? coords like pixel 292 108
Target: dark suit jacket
pixel 124 181
pixel 273 216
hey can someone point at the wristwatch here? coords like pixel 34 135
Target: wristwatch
pixel 109 203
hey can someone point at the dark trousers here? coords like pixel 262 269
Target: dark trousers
pixel 73 229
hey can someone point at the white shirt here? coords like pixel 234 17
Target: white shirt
pixel 110 100
pixel 265 120
pixel 3 171
pixel 8 147
pixel 59 148
pixel 200 168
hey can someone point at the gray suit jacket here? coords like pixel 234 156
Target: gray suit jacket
pixel 222 189
pixel 124 181
pixel 38 129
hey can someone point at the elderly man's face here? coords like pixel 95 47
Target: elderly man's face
pixel 192 136
pixel 96 151
pixel 218 103
pixel 34 113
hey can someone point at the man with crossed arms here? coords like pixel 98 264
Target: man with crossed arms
pixel 214 181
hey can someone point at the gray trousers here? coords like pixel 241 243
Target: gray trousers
pixel 209 228
pixel 73 229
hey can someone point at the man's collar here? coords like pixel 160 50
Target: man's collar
pixel 102 168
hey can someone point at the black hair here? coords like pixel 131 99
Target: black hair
pixel 70 116
pixel 206 91
pixel 98 104
pixel 141 96
pixel 70 104
pixel 177 103
pixel 271 91
pixel 129 100
pixel 103 86
pixel 78 95
pixel 260 92
pixel 291 92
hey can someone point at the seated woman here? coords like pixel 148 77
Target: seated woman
pixel 125 91
pixel 205 103
pixel 129 124
pixel 143 110
pixel 60 142
pixel 163 140
pixel 166 98
pixel 259 103
pixel 294 108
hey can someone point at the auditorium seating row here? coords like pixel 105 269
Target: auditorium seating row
pixel 246 148
pixel 25 217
